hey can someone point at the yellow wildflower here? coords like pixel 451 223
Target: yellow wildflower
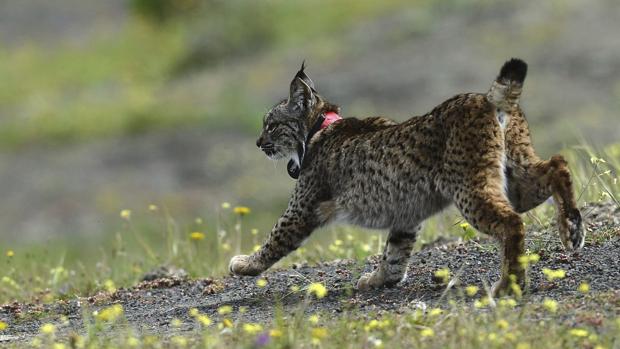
pixel 227 323
pixel 7 280
pixel 224 310
pixel 372 324
pixel 254 231
pixel 110 313
pixel 133 342
pixel 59 346
pixel 275 333
pixel 48 329
pixel 507 302
pixel 318 289
pixel 516 289
pixel 317 334
pixel 534 258
pixel 554 274
pixel 584 287
pixel 126 214
pixel 3 325
pixel 464 226
pixel 225 205
pixel 550 305
pixel 578 332
pixel 481 303
pixel 314 319
pixel 153 208
pixel 10 253
pixel 241 210
pixel 442 275
pixel 256 248
pixel 251 328
pixel 427 332
pixel 203 319
pixel 197 236
pixel 109 286
pixel 503 324
pixel 435 312
pixel 471 290
pixel 528 259
pixel 261 282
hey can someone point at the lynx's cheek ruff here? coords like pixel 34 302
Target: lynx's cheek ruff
pixel 295 165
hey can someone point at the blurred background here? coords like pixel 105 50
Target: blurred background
pixel 122 104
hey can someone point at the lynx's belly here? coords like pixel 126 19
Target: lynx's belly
pixel 401 205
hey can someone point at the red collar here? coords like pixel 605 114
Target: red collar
pixel 330 118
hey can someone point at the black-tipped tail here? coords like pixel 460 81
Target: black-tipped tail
pixel 513 70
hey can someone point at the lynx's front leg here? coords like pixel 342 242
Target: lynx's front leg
pixel 295 225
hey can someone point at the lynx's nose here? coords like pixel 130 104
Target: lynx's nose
pixel 264 145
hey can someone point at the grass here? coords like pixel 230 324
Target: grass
pixel 499 326
pixel 151 238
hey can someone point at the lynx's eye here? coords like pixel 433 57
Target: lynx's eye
pixel 271 127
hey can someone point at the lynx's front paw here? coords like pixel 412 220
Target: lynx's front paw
pixel 368 281
pixel 244 265
pixel 571 230
pixel 376 279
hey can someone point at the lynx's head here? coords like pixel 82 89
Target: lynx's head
pixel 286 125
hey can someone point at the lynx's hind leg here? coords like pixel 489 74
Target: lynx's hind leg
pixel 394 261
pixel 531 181
pixel 488 211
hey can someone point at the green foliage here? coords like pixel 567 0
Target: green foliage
pixel 126 81
pixel 159 11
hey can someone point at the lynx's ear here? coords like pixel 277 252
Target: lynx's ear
pixel 301 95
pixel 302 75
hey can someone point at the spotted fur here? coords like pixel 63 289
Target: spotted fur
pixel 473 151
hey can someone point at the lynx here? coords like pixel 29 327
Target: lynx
pixel 473 151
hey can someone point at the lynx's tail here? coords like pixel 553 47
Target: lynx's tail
pixel 506 89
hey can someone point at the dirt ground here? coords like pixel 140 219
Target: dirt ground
pixel 151 305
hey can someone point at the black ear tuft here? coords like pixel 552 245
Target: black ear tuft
pixel 513 70
pixel 302 75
